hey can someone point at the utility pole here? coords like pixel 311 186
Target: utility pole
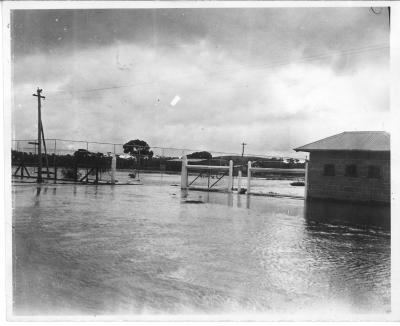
pixel 243 145
pixel 38 91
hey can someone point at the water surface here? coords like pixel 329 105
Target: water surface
pixel 85 249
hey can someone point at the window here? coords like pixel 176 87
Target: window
pixel 374 171
pixel 329 169
pixel 351 170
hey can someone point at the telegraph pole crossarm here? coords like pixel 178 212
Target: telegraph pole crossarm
pixel 39 97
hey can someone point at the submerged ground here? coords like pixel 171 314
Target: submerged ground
pixel 85 249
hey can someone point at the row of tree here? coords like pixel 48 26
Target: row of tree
pixel 82 158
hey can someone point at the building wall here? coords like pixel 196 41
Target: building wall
pixel 360 188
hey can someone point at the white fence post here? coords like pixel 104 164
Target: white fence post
pixel 184 173
pixel 230 180
pixel 248 177
pixel 239 188
pixel 113 168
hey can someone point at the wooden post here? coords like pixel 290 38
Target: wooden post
pixel 22 170
pixel 97 171
pixel 113 168
pixel 45 151
pixel 239 188
pixel 184 173
pixel 230 178
pixel 248 177
pixel 55 161
pixel 38 91
pixel 76 169
pixel 39 176
pixel 243 145
pixel 208 176
pixel 87 153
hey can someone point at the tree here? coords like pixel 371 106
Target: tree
pixel 85 155
pixel 293 163
pixel 138 148
pixel 202 155
pixel 82 154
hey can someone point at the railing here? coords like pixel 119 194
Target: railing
pixel 62 155
pixel 186 167
pixel 251 169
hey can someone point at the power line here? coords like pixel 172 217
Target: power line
pixel 223 71
pixel 154 148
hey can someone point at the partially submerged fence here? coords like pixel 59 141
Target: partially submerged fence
pixel 226 171
pixel 91 162
pixel 251 170
pixel 230 171
pixel 83 161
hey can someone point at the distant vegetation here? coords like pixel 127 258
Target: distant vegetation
pixel 201 155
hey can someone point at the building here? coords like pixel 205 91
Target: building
pixel 351 166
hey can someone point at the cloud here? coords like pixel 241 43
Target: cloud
pixel 259 33
pixel 122 90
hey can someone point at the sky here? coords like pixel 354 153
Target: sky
pixel 204 79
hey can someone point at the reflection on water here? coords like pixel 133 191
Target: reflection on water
pixel 346 213
pixel 184 193
pixel 211 197
pixel 148 249
pixel 315 211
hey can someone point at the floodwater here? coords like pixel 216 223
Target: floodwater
pixel 150 248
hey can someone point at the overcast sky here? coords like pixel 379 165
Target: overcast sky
pixel 276 78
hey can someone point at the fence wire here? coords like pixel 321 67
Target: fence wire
pixel 85 161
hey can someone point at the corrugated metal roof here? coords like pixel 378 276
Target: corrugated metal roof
pixel 351 141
